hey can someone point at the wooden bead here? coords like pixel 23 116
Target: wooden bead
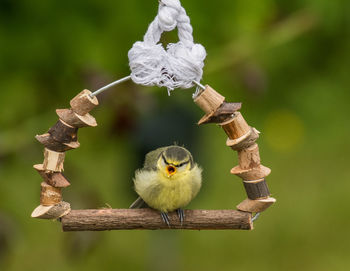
pixel 244 141
pixel 53 161
pixel 209 100
pixel 249 157
pixel 63 132
pixel 252 173
pixel 52 212
pixel 50 195
pixel 223 113
pixel 48 141
pixel 236 127
pixel 256 189
pixel 83 103
pixel 55 179
pixel 255 206
pixel 75 120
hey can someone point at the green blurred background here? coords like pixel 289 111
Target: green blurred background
pixel 287 61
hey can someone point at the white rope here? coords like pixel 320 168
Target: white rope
pixel 176 67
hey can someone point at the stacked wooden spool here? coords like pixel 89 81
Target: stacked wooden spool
pixel 241 138
pixel 59 139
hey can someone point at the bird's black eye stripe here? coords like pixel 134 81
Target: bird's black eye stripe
pixel 165 161
pixel 184 163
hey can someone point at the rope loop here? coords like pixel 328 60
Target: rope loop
pixel 177 66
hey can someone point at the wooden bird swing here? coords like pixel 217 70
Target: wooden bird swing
pixel 62 137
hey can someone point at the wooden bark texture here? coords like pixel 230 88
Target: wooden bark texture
pixel 255 206
pixel 249 157
pixel 50 195
pixel 55 179
pixel 244 141
pixel 127 219
pixel 222 114
pixel 256 189
pixel 63 132
pixel 83 103
pixel 209 100
pixel 251 174
pixel 75 120
pixel 51 212
pixel 53 161
pixel 51 144
pixel 236 127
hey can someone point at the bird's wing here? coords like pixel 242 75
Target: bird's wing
pixel 138 203
pixel 150 165
pixel 151 159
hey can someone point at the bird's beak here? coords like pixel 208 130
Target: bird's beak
pixel 171 170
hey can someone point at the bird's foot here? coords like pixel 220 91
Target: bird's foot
pixel 181 215
pixel 165 218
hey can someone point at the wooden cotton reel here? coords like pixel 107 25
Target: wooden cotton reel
pixel 63 137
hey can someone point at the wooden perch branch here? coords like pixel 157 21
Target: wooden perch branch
pixel 148 219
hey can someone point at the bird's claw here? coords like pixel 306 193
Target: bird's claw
pixel 181 215
pixel 165 218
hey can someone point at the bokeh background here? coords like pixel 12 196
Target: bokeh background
pixel 287 61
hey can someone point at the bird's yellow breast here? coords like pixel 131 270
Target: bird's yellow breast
pixel 167 194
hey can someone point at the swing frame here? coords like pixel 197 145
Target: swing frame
pixel 62 137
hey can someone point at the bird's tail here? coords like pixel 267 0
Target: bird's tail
pixel 138 203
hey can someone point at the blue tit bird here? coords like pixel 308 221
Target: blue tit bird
pixel 168 181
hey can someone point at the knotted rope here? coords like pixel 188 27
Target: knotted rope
pixel 177 66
